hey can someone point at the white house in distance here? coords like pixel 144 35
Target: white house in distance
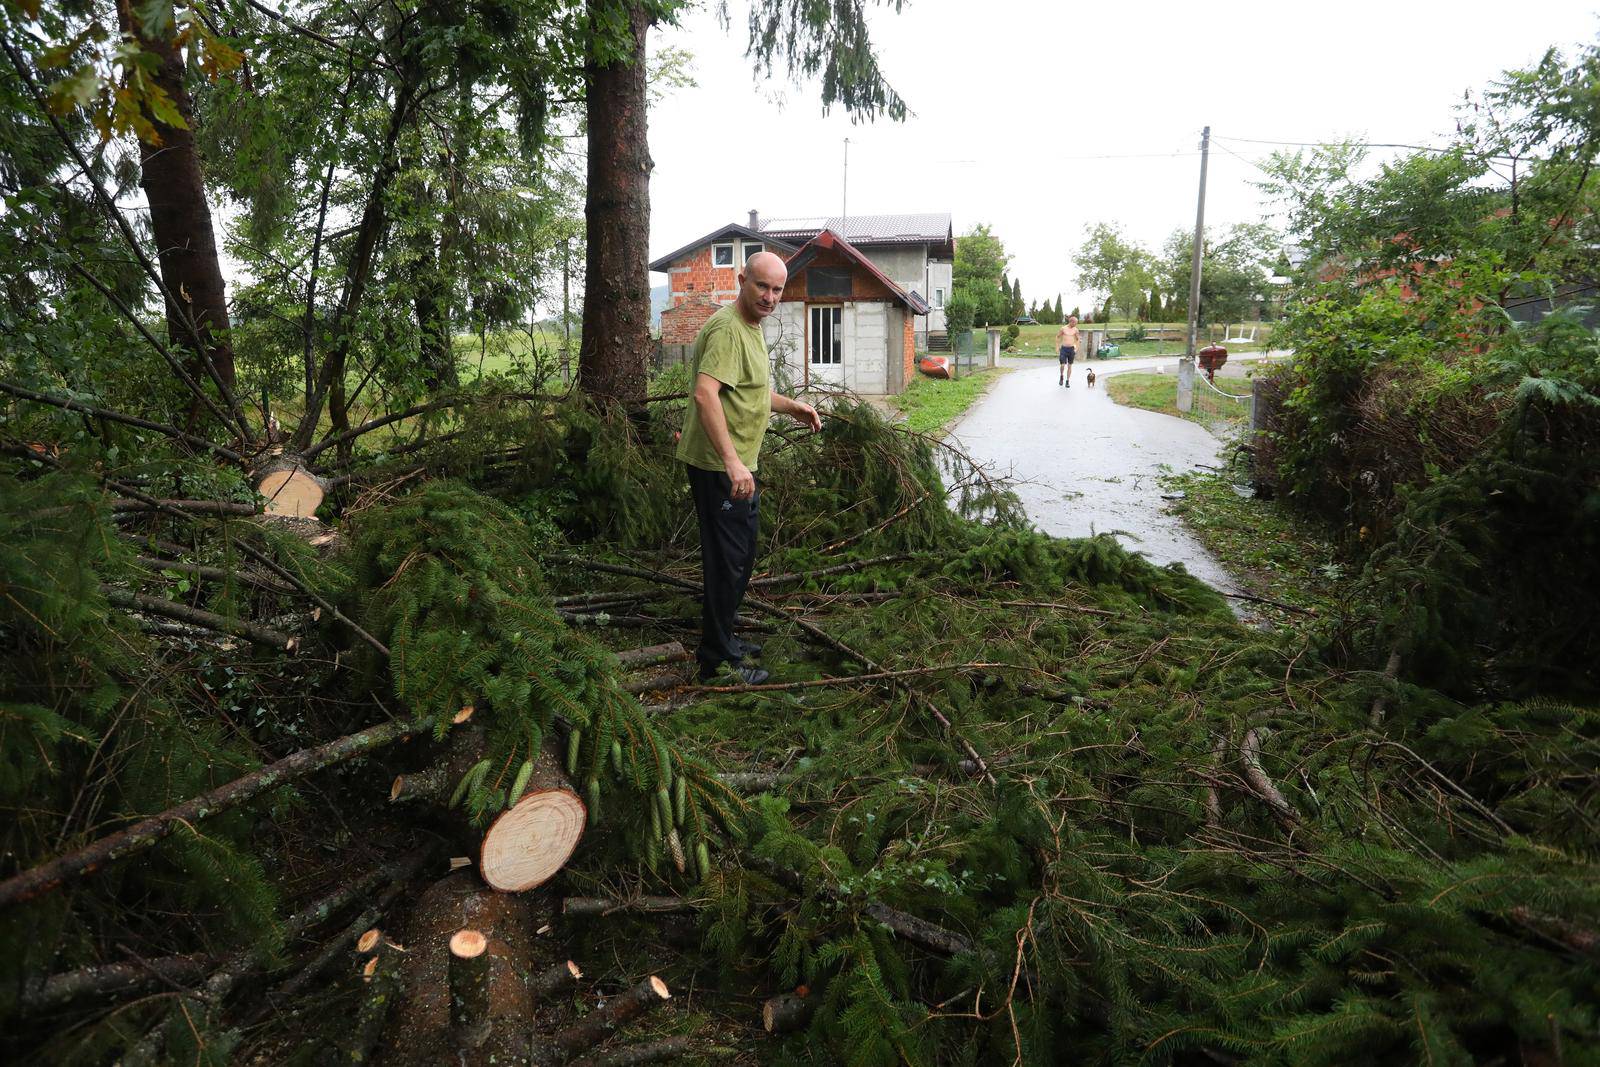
pixel 853 314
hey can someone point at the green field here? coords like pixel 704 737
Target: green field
pixel 512 352
pixel 932 404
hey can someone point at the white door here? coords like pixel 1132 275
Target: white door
pixel 825 344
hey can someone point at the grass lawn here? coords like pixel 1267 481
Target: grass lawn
pixel 931 404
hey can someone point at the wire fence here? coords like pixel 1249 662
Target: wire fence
pixel 1220 409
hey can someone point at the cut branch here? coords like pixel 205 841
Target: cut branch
pixel 652 655
pixel 68 404
pixel 148 832
pixel 255 633
pixel 614 1013
pixel 668 1048
pixel 1260 784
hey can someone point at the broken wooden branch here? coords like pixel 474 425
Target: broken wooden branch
pixel 255 633
pixel 557 978
pixel 594 907
pixel 220 575
pixel 616 1012
pixel 1391 671
pixel 667 1048
pixel 1260 784
pixel 68 404
pixel 141 504
pixel 652 655
pixel 148 832
pixel 1213 801
pixel 107 983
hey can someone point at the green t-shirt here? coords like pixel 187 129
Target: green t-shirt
pixel 734 353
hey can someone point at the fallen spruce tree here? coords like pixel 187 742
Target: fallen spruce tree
pixel 1018 797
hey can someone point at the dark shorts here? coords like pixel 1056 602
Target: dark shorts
pixel 1068 353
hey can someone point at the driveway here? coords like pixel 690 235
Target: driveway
pixel 1084 465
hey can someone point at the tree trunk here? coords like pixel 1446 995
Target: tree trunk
pixel 180 219
pixel 615 347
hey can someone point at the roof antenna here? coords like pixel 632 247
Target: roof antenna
pixel 844 206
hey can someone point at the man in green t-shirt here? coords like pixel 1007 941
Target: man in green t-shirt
pixel 721 444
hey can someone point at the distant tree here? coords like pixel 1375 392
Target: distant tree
pixel 1016 297
pixel 1232 275
pixel 1076 311
pixel 1156 310
pixel 980 256
pixel 1106 257
pixel 1058 316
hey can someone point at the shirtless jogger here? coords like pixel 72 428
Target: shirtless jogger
pixel 1067 349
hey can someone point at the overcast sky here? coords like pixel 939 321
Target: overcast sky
pixel 1018 105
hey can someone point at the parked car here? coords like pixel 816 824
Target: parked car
pixel 1026 320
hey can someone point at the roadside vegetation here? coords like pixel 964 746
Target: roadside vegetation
pixel 932 405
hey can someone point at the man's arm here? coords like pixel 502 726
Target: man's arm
pixel 708 403
pixel 796 409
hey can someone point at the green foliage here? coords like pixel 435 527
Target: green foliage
pixel 450 582
pixel 93 725
pixel 960 312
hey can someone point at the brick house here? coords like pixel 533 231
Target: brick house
pixel 917 252
pixel 843 322
pixel 703 276
pixel 894 261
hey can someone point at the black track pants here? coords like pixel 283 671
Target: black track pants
pixel 727 555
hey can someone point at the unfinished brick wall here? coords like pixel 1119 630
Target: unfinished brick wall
pixel 908 347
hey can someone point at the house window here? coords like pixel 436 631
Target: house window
pixel 722 255
pixel 750 250
pixel 828 282
pixel 938 298
pixel 827 335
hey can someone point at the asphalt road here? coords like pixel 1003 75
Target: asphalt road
pixel 1084 465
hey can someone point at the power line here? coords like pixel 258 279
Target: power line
pixel 1372 144
pixel 1074 159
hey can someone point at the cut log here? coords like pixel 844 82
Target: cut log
pixel 616 1012
pixel 786 1012
pixel 529 842
pixel 384 982
pixel 469 988
pixel 288 488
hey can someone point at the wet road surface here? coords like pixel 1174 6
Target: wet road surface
pixel 1084 465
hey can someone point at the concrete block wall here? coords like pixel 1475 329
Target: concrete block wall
pixel 866 347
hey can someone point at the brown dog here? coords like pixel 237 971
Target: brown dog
pixel 1089 373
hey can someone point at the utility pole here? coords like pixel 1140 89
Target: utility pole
pixel 844 205
pixel 1199 247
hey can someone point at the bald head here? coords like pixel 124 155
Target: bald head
pixel 761 286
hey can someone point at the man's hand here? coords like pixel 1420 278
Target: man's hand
pixel 803 412
pixel 743 483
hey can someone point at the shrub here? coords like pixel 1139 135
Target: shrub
pixel 959 311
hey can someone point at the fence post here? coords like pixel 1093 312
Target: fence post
pixel 1185 384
